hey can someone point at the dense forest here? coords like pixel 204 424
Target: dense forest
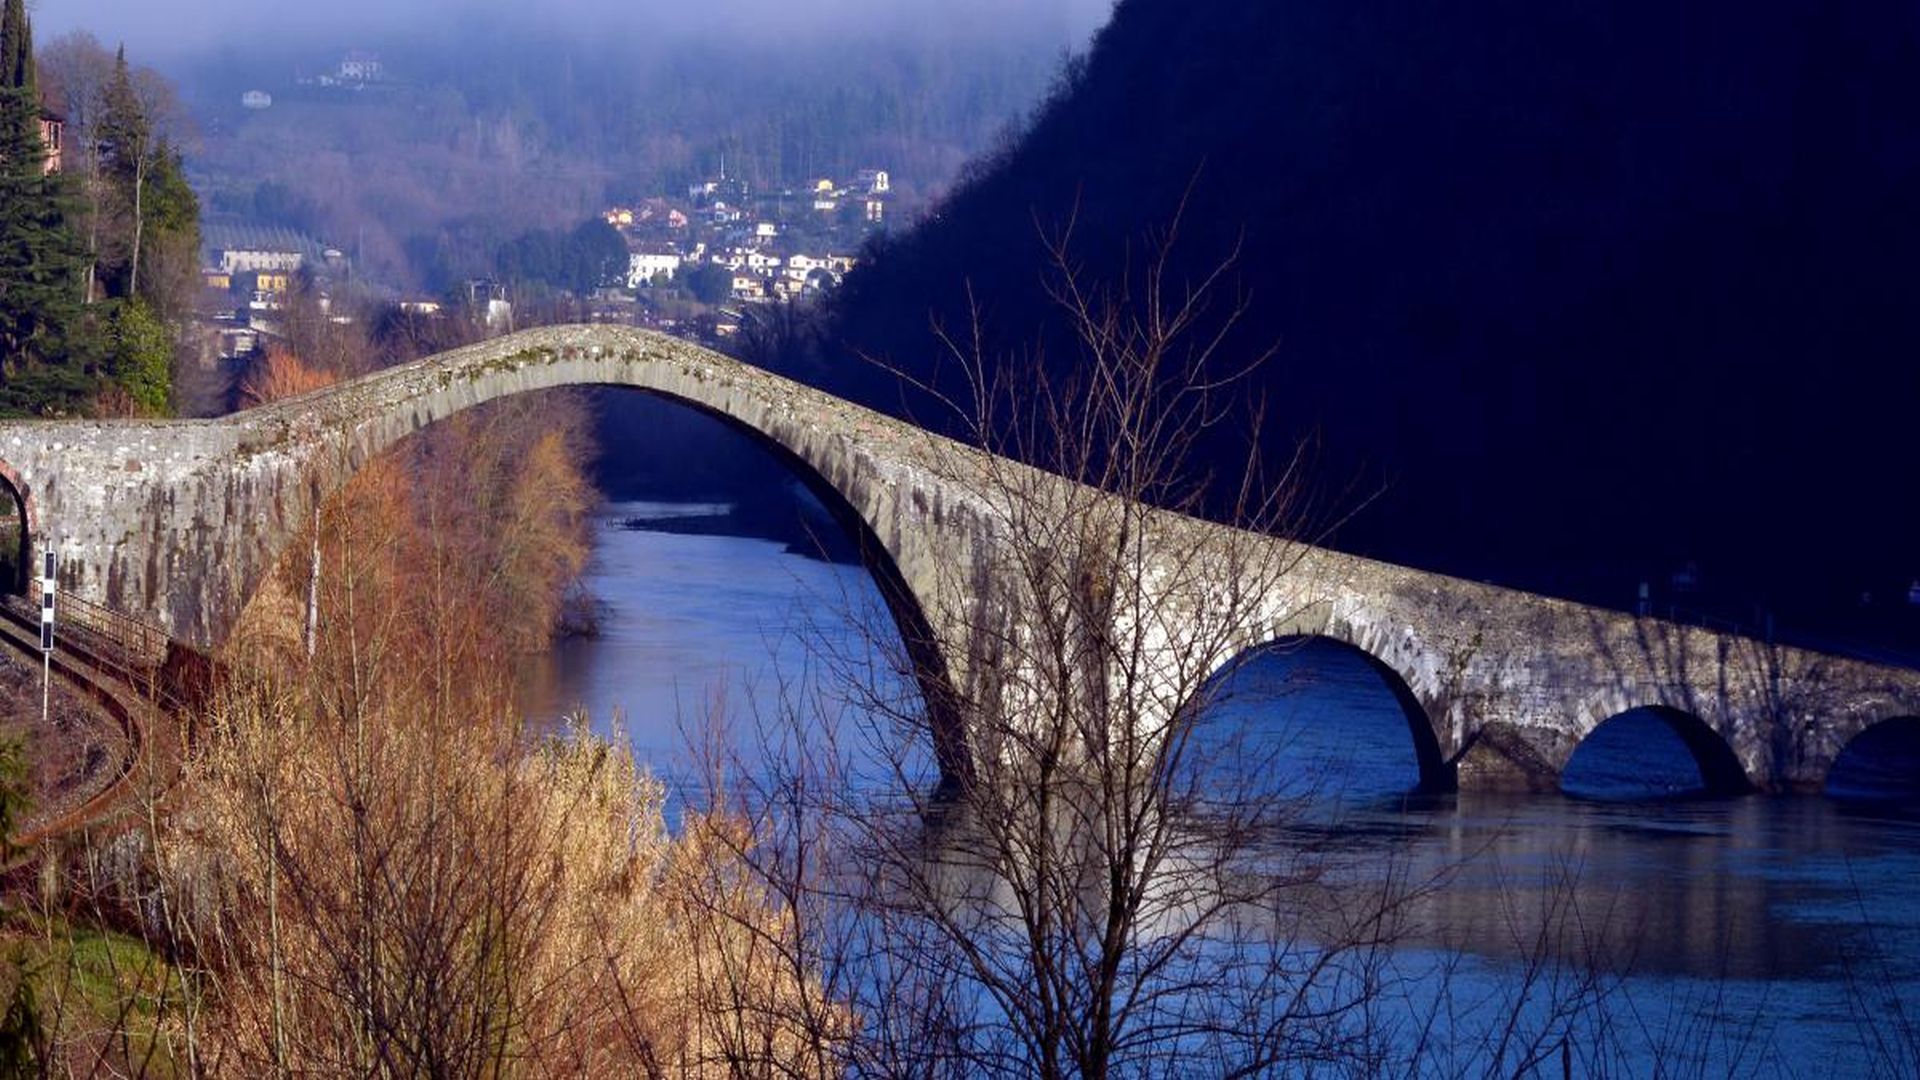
pixel 1570 298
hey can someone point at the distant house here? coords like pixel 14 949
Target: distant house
pixel 644 264
pixel 747 287
pixel 765 230
pixel 875 210
pixel 239 248
pixel 237 341
pixel 255 260
pixel 487 301
pixel 873 181
pixel 53 137
pixel 360 66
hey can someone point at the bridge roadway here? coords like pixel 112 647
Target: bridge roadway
pixel 177 522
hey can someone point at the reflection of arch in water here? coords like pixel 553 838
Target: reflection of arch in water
pixel 1880 764
pixel 1720 772
pixel 1435 774
pixel 16 532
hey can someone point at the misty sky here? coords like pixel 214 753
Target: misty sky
pixel 157 29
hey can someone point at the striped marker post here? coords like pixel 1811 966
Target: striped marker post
pixel 46 638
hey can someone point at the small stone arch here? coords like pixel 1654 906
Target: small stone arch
pixel 1721 772
pixel 16 553
pixel 1880 763
pixel 1436 773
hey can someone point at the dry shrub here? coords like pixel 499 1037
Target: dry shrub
pixel 413 896
pixel 280 374
pixel 474 532
pixel 408 879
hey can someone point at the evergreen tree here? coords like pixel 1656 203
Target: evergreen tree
pixel 142 356
pixel 169 259
pixel 16 47
pixel 39 260
pixel 125 136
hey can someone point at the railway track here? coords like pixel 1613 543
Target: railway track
pixel 112 683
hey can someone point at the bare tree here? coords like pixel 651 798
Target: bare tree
pixel 79 70
pixel 1097 889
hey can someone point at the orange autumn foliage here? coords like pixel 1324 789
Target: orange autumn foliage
pixel 278 375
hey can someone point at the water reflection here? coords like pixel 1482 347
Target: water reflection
pixel 1799 910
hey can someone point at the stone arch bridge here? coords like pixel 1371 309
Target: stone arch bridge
pixel 177 522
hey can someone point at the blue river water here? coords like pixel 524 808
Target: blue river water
pixel 1753 936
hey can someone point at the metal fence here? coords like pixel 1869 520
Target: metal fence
pixel 131 639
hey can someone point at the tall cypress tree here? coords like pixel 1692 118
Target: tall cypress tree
pixel 16 46
pixel 125 134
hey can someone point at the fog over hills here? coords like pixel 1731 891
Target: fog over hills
pixel 166 29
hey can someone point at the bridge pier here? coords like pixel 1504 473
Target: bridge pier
pixel 1502 757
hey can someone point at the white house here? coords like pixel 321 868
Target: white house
pixel 250 260
pixel 873 181
pixel 643 266
pixel 360 66
pixel 761 262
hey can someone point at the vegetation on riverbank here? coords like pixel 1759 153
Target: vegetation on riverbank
pixel 366 862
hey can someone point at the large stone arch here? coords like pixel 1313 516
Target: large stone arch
pixel 214 503
pixel 1436 771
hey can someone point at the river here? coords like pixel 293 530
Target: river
pixel 1752 932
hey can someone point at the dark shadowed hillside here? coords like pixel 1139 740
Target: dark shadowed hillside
pixel 1608 288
